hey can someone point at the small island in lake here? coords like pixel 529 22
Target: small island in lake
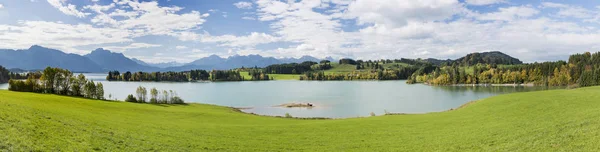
pixel 296 105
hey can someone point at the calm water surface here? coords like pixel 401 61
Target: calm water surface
pixel 336 99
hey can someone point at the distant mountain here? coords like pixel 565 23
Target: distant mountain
pixel 158 65
pixel 37 57
pixel 116 61
pixel 438 61
pixel 210 60
pixel 494 57
pixel 237 61
pixel 299 60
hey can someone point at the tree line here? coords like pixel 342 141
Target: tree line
pixel 59 81
pixel 156 96
pixel 185 76
pixel 581 69
pixel 385 74
pixel 6 75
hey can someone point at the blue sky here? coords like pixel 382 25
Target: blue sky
pixel 185 30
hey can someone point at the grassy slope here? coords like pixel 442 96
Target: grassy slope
pixel 566 120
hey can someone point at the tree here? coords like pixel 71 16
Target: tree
pixel 77 85
pixel 99 91
pixel 130 98
pixel 48 79
pixel 153 95
pixel 90 89
pixel 165 98
pixel 142 94
pixel 4 75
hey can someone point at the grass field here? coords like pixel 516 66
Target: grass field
pixel 557 120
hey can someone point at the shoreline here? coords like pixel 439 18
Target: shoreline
pixel 495 85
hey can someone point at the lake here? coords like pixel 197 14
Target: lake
pixel 334 99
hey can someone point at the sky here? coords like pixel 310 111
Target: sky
pixel 186 30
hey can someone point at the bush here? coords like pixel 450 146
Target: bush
pixel 287 115
pixel 372 114
pixel 176 100
pixel 130 98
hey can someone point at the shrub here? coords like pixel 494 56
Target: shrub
pixel 287 115
pixel 130 98
pixel 372 114
pixel 176 100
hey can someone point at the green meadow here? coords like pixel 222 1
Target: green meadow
pixel 556 120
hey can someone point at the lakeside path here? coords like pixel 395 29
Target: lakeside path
pixel 555 120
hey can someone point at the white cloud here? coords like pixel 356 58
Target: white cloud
pixel 131 46
pixel 1 6
pixel 509 13
pixel 148 18
pixel 58 35
pixel 67 8
pixel 240 41
pixel 570 11
pixel 395 13
pixel 243 5
pixel 305 47
pixel 484 2
pixel 299 23
pixel 248 18
pixel 320 28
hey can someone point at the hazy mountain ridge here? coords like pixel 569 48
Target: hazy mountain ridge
pixel 110 61
pixel 158 65
pixel 37 57
pixel 101 60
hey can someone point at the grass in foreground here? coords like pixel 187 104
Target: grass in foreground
pixel 557 120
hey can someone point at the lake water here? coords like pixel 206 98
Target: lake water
pixel 334 99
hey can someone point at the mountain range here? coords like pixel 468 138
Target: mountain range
pixel 101 60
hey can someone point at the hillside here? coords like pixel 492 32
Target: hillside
pixel 558 120
pixel 494 57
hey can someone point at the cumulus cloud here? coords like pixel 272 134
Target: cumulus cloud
pixel 570 11
pixel 363 29
pixel 243 5
pixel 67 8
pixel 395 13
pixel 147 18
pixel 110 23
pixel 240 41
pixel 58 35
pixel 510 13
